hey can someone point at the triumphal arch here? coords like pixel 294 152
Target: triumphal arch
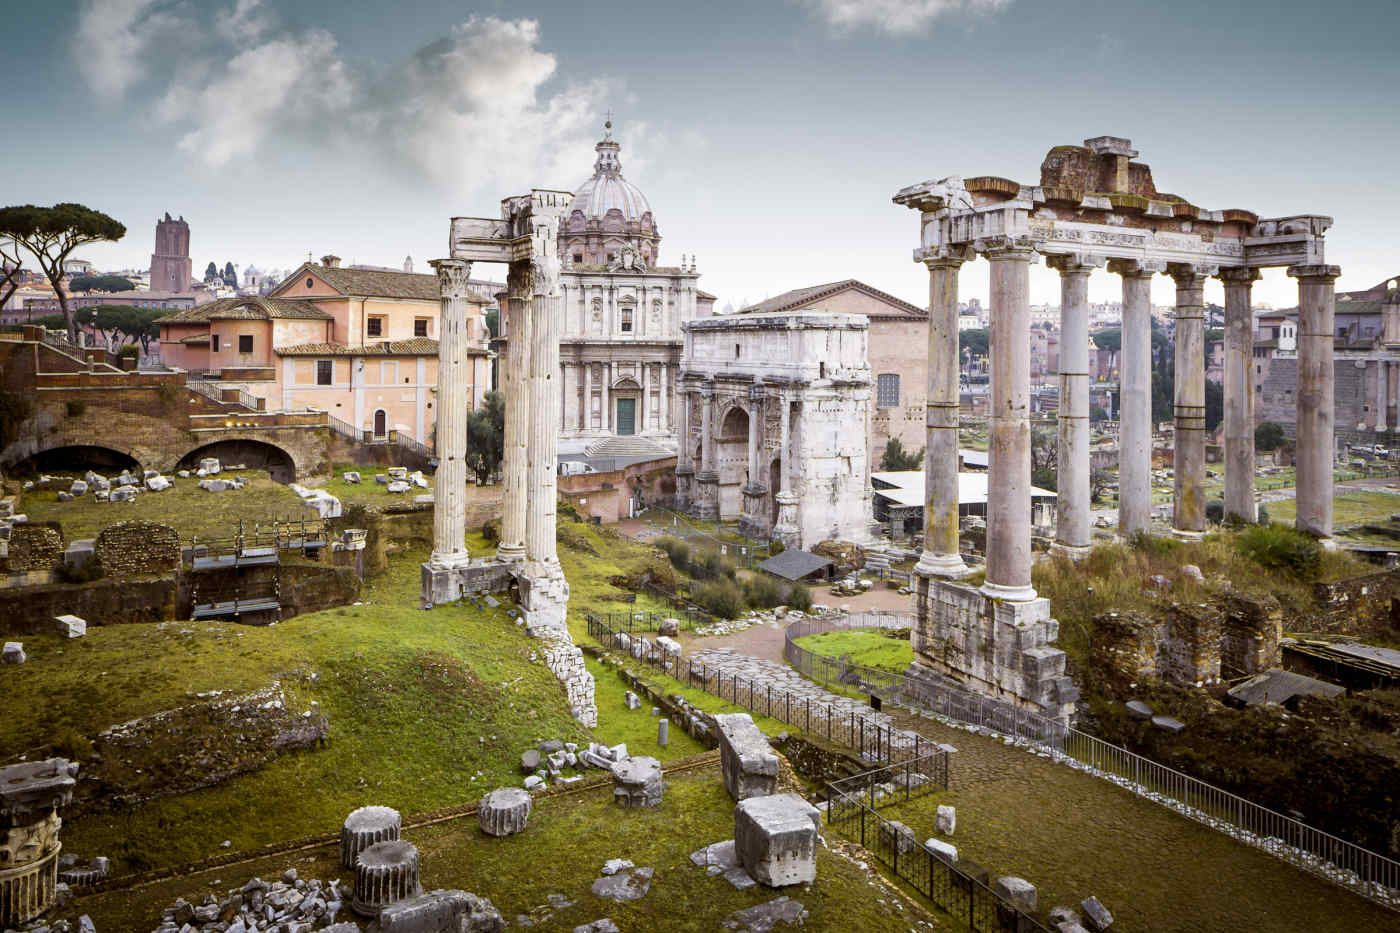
pixel 1094 207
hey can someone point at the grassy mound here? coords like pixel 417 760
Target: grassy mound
pixel 867 648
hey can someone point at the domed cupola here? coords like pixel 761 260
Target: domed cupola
pixel 609 214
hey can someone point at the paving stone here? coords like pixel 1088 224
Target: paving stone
pixel 630 885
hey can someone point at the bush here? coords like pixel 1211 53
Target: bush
pixel 491 531
pixel 80 573
pixel 130 351
pixel 764 592
pixel 1263 515
pixel 1269 436
pixel 678 551
pixel 719 598
pixel 1281 548
pixel 1215 511
pixel 713 566
pixel 71 744
pixel 1152 545
pixel 800 597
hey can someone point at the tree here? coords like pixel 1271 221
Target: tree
pixel 51 234
pixel 101 283
pixel 976 339
pixel 1215 404
pixel 1097 415
pixel 1045 456
pixel 896 460
pixel 1099 481
pixel 1111 339
pixel 486 437
pixel 493 323
pixel 1269 436
pixel 211 272
pixel 11 265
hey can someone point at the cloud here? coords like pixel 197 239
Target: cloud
pixel 114 41
pixel 894 17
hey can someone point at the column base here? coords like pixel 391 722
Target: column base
pixel 941 565
pixel 704 497
pixel 1327 544
pixel 510 553
pixel 443 585
pixel 1072 551
pixel 1183 534
pixel 785 527
pixel 441 561
pixel 544 596
pixel 1012 594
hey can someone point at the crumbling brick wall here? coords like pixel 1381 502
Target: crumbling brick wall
pixel 35 546
pixel 137 547
pixel 1251 629
pixel 1190 651
pixel 1126 642
pixel 1362 606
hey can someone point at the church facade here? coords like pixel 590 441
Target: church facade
pixel 620 340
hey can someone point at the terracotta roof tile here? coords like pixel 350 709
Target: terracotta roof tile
pixel 252 308
pixel 800 298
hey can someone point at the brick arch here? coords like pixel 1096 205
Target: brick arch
pixel 283 464
pixel 20 452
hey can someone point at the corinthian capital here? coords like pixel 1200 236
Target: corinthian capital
pixel 544 276
pixel 1238 275
pixel 452 276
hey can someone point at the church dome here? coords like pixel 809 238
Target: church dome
pixel 607 190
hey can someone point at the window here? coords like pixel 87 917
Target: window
pixel 245 343
pixel 374 327
pixel 325 372
pixel 310 282
pixel 214 342
pixel 626 320
pixel 420 327
pixel 578 257
pixel 887 390
pixel 736 351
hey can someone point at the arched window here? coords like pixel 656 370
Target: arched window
pixel 381 424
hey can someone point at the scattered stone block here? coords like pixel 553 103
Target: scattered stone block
pixel 1139 710
pixel 632 700
pixel 70 626
pixel 748 763
pixel 504 811
pixel 399 486
pixel 13 653
pixel 210 466
pixel 440 912
pixel 775 837
pixel 530 761
pixel 183 474
pixel 1168 724
pixel 80 552
pixel 381 479
pixel 614 865
pixel 325 504
pixel 366 827
pixel 397 473
pixel 669 646
pixel 637 782
pixel 669 627
pixel 64 496
pixel 418 479
pixel 604 925
pixel 79 488
pixel 767 916
pixel 1193 573
pixel 629 885
pixel 534 782
pixel 1060 915
pixel 157 483
pixel 385 873
pixel 739 878
pixel 1071 926
pixel 946 819
pixel 943 851
pixel 1018 892
pixel 1097 915
pixel 123 494
pixel 896 835
pixel 663 733
pixel 350 476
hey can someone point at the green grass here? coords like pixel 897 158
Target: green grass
pixel 366 491
pixel 561 851
pixel 1349 508
pixel 636 727
pixel 867 648
pixel 191 511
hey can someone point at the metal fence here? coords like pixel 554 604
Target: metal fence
pixel 345 429
pixel 873 740
pixel 851 809
pixel 1367 873
pixel 647 621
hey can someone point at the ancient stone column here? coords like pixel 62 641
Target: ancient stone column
pixel 1189 448
pixel 1009 454
pixel 514 375
pixel 386 872
pixel 941 555
pixel 1316 312
pixel 1073 536
pixel 541 554
pixel 585 421
pixel 685 465
pixel 665 399
pixel 1382 379
pixel 1239 394
pixel 366 827
pixel 785 527
pixel 607 412
pixel 707 440
pixel 454 386
pixel 1135 409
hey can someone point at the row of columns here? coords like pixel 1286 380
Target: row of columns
pixel 1383 400
pixel 1008 495
pixel 584 421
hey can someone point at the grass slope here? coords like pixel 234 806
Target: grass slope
pixel 867 648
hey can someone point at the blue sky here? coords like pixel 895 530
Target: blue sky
pixel 769 135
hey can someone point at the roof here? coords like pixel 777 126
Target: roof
pixel 1278 687
pixel 416 346
pixel 793 564
pixel 800 298
pixel 247 308
pixel 382 283
pixel 906 488
pixel 704 295
pixel 606 190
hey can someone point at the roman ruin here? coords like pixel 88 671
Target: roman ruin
pixel 1093 206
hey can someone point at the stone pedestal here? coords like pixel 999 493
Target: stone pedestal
pixel 30 796
pixel 747 761
pixel 775 838
pixel 366 827
pixel 504 811
pixel 753 523
pixel 387 872
pixel 704 496
pixel 637 782
pixel 785 528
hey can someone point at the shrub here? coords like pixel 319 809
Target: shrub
pixel 1215 511
pixel 169 394
pixel 1281 548
pixel 72 744
pixel 800 597
pixel 1263 515
pixel 80 573
pixel 764 592
pixel 491 531
pixel 1269 435
pixel 713 566
pixel 678 551
pixel 1152 545
pixel 720 598
pixel 75 409
pixel 776 547
pixel 129 350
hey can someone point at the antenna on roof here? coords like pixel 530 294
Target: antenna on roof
pixel 607 125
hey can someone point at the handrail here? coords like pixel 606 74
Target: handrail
pixel 1370 874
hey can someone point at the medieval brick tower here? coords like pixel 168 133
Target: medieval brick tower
pixel 170 263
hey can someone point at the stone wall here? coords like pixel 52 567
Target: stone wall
pixel 1189 649
pixel 35 546
pixel 1191 644
pixel 30 610
pixel 1249 641
pixel 137 547
pixel 565 660
pixel 605 496
pixel 1362 606
pixel 312 587
pixel 1278 400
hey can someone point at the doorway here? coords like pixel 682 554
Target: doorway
pixel 381 427
pixel 626 416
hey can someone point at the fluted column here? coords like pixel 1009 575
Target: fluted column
pixel 665 399
pixel 454 384
pixel 585 421
pixel 785 523
pixel 941 555
pixel 1239 394
pixel 1381 385
pixel 1316 314
pixel 707 438
pixel 1009 452
pixel 542 456
pixel 514 377
pixel 1189 408
pixel 1135 408
pixel 1073 536
pixel 607 413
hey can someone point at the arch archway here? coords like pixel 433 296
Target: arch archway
pixel 732 460
pixel 381 424
pixel 254 455
pixel 69 458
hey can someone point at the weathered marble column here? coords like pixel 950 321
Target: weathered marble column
pixel 665 399
pixel 707 439
pixel 1135 407
pixel 645 380
pixel 1189 409
pixel 685 466
pixel 752 523
pixel 606 422
pixel 1009 453
pixel 1073 535
pixel 514 376
pixel 454 386
pixel 585 421
pixel 1315 439
pixel 941 554
pixel 785 527
pixel 1382 378
pixel 1239 394
pixel 705 487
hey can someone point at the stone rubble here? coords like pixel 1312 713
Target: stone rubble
pixel 761 918
pixel 13 653
pixel 260 906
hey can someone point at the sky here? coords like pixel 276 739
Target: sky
pixel 768 135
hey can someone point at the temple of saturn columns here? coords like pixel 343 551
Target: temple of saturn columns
pixel 1094 207
pixel 526 237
